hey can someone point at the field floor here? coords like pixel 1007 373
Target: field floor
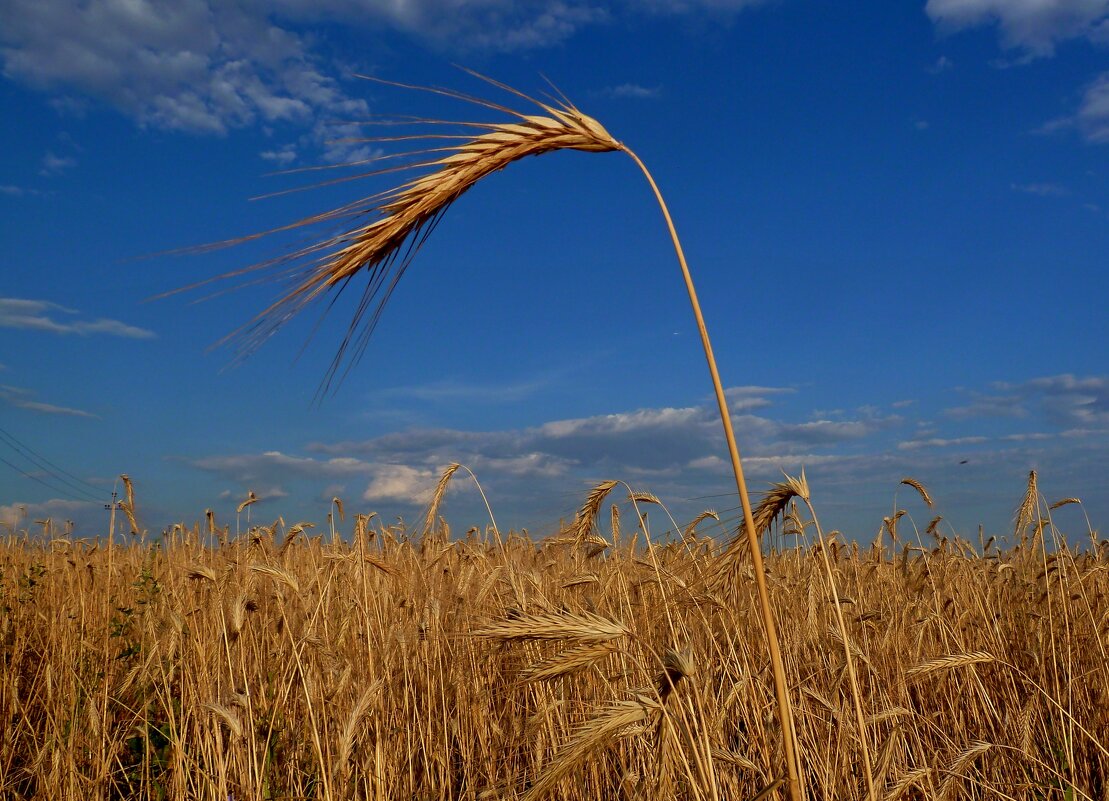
pixel 393 665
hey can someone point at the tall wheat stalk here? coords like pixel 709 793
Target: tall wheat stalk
pixel 403 217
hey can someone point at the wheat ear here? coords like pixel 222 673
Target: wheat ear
pixel 1027 508
pixel 948 663
pixel 924 496
pixel 583 627
pixel 690 530
pixel 596 733
pixel 437 497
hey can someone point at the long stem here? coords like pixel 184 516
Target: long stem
pixel 781 692
pixel 849 660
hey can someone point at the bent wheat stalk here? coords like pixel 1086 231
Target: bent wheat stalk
pixel 402 218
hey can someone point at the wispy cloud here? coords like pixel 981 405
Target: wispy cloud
pixel 1033 29
pixel 1065 400
pixel 281 156
pixel 985 405
pixel 633 90
pixel 1092 118
pixel 939 442
pixel 53 164
pixel 11 190
pixel 21 398
pixel 1041 189
pixel 452 391
pixel 43 315
pixel 941 64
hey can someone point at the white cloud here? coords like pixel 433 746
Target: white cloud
pixel 401 483
pixel 271 467
pixel 633 90
pixel 942 64
pixel 1064 400
pixel 1092 119
pixel 984 405
pixel 12 190
pixel 536 474
pixel 1041 189
pixel 209 67
pixel 53 164
pixel 188 65
pixel 1035 26
pixel 1069 400
pixel 281 156
pixel 939 442
pixel 42 315
pixel 21 398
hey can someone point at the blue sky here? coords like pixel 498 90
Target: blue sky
pixel 896 214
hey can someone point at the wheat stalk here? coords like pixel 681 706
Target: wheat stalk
pixel 394 224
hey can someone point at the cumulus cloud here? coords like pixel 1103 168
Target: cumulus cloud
pixel 1035 26
pixel 401 483
pixel 209 67
pixel 536 474
pixel 43 315
pixel 189 65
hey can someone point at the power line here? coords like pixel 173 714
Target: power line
pixel 54 471
pixel 35 478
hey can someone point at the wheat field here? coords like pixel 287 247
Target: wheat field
pixel 608 662
pixel 753 658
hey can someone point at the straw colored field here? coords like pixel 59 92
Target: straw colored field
pixel 397 666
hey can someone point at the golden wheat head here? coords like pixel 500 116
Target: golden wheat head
pixel 394 224
pixel 924 496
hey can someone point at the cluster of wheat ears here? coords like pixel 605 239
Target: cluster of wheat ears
pixel 608 662
pixel 398 664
